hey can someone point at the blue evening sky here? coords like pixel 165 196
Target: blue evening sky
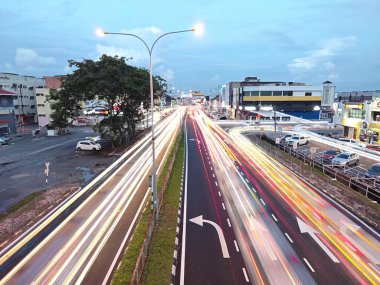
pixel 306 40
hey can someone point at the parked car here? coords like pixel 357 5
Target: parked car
pixel 328 155
pixel 345 159
pixel 88 145
pixel 298 140
pixel 373 172
pixel 3 140
pixel 374 147
pixel 351 141
pixel 286 138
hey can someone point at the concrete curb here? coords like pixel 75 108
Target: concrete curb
pixel 179 220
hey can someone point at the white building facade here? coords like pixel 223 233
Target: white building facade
pixel 24 100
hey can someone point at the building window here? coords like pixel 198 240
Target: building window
pixel 41 115
pixel 355 114
pixel 288 93
pixel 41 105
pixel 31 97
pixel 32 106
pixel 277 93
pixel 15 97
pixel 307 93
pixel 266 93
pixel 16 106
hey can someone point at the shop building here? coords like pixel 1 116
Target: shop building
pixel 359 113
pixel 293 98
pixel 24 89
pixel 7 113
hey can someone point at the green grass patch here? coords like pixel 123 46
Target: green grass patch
pixel 23 202
pixel 124 273
pixel 160 259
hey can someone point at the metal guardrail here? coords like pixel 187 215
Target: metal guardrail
pixel 369 187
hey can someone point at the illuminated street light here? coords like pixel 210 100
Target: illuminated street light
pixel 198 30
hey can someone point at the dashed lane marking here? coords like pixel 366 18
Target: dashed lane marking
pixel 274 218
pixel 262 201
pixel 228 221
pixel 224 207
pixel 245 275
pixel 236 246
pixel 308 264
pixel 220 194
pixel 289 238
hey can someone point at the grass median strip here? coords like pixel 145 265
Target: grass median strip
pixel 160 259
pixel 124 272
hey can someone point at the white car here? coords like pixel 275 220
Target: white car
pixel 345 159
pixel 298 140
pixel 352 142
pixel 88 145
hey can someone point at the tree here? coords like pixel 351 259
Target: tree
pixel 119 84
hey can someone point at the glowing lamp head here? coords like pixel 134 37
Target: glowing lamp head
pixel 100 33
pixel 198 29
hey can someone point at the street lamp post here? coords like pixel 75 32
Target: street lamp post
pixel 196 29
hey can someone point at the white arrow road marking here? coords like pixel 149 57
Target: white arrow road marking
pixel 305 228
pixel 199 221
pixel 346 229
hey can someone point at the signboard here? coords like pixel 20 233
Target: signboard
pixel 278 140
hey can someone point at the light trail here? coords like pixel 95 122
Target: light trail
pixel 67 253
pixel 238 162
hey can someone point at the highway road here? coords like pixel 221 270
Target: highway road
pixel 210 253
pixel 288 232
pixel 84 245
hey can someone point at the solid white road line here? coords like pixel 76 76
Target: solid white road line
pixel 245 275
pixel 274 218
pixel 236 246
pixel 308 264
pixel 182 273
pixel 289 237
pixel 228 221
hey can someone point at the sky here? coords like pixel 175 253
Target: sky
pixel 307 41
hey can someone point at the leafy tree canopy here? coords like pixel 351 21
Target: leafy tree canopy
pixel 113 80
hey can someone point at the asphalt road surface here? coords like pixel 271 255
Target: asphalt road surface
pixel 22 164
pixel 85 246
pixel 210 252
pixel 288 232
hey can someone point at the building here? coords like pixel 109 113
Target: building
pixel 293 98
pixel 24 101
pixel 358 112
pixel 7 113
pixel 43 105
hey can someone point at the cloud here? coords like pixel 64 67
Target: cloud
pixel 7 66
pixel 30 58
pixel 153 30
pixel 113 51
pixel 165 73
pixel 322 57
pixel 328 65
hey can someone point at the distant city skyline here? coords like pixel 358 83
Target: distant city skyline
pixel 310 41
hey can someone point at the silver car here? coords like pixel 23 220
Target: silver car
pixel 345 159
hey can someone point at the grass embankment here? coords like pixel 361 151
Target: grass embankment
pixel 160 259
pixel 124 273
pixel 24 201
